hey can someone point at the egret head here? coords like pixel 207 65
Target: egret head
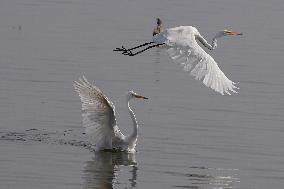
pixel 132 94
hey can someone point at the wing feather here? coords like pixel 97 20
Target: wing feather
pixel 184 50
pixel 98 114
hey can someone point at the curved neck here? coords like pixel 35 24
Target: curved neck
pixel 214 40
pixel 134 134
pixel 213 44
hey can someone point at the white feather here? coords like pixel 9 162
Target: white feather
pixel 184 50
pixel 98 115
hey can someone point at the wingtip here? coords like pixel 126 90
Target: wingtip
pixel 84 78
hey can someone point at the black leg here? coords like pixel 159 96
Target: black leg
pixel 124 50
pixel 133 54
pixel 145 44
pixel 128 51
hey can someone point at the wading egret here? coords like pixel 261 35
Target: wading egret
pixel 99 118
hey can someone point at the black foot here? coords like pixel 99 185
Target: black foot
pixel 124 51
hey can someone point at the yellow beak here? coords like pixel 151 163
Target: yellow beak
pixel 139 96
pixel 229 32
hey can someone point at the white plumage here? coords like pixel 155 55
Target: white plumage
pixel 182 47
pixel 99 118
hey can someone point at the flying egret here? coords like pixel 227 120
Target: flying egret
pixel 182 47
pixel 99 118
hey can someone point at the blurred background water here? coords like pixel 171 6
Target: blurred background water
pixel 190 137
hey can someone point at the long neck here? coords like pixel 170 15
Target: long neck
pixel 134 134
pixel 213 44
pixel 214 40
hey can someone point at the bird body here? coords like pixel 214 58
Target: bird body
pixel 173 36
pixel 99 118
pixel 182 47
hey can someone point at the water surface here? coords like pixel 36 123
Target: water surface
pixel 189 136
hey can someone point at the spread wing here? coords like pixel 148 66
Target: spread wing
pixel 184 50
pixel 98 114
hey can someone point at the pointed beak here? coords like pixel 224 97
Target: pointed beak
pixel 139 96
pixel 228 32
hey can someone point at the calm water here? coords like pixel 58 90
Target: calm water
pixel 190 137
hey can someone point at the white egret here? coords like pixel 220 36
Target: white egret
pixel 99 118
pixel 182 47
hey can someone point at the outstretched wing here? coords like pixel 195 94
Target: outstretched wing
pixel 98 114
pixel 184 50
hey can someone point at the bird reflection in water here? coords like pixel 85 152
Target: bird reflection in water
pixel 103 171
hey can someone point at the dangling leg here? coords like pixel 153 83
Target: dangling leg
pixel 124 50
pixel 129 52
pixel 145 44
pixel 133 54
